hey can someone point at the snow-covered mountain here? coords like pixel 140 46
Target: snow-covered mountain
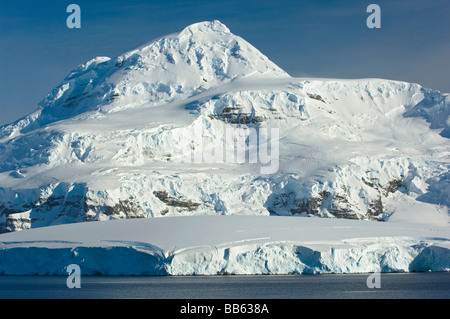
pixel 157 131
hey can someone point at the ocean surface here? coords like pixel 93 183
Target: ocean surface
pixel 434 285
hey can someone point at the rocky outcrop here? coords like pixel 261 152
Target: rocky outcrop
pixel 312 205
pixel 182 204
pixel 124 209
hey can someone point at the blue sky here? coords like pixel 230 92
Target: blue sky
pixel 304 37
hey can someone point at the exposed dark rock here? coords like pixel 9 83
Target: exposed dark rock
pixel 14 223
pixel 341 208
pixel 375 210
pixel 238 118
pixel 129 207
pixel 233 115
pixel 369 183
pixel 176 202
pixel 283 199
pixel 392 186
pixel 315 97
pixel 312 205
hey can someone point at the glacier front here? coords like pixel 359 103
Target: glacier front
pixel 217 245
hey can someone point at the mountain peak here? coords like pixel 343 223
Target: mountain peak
pixel 201 56
pixel 206 26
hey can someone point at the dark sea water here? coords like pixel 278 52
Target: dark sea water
pixel 331 286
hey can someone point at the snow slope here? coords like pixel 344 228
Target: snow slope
pixel 344 157
pixel 213 245
pixel 174 67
